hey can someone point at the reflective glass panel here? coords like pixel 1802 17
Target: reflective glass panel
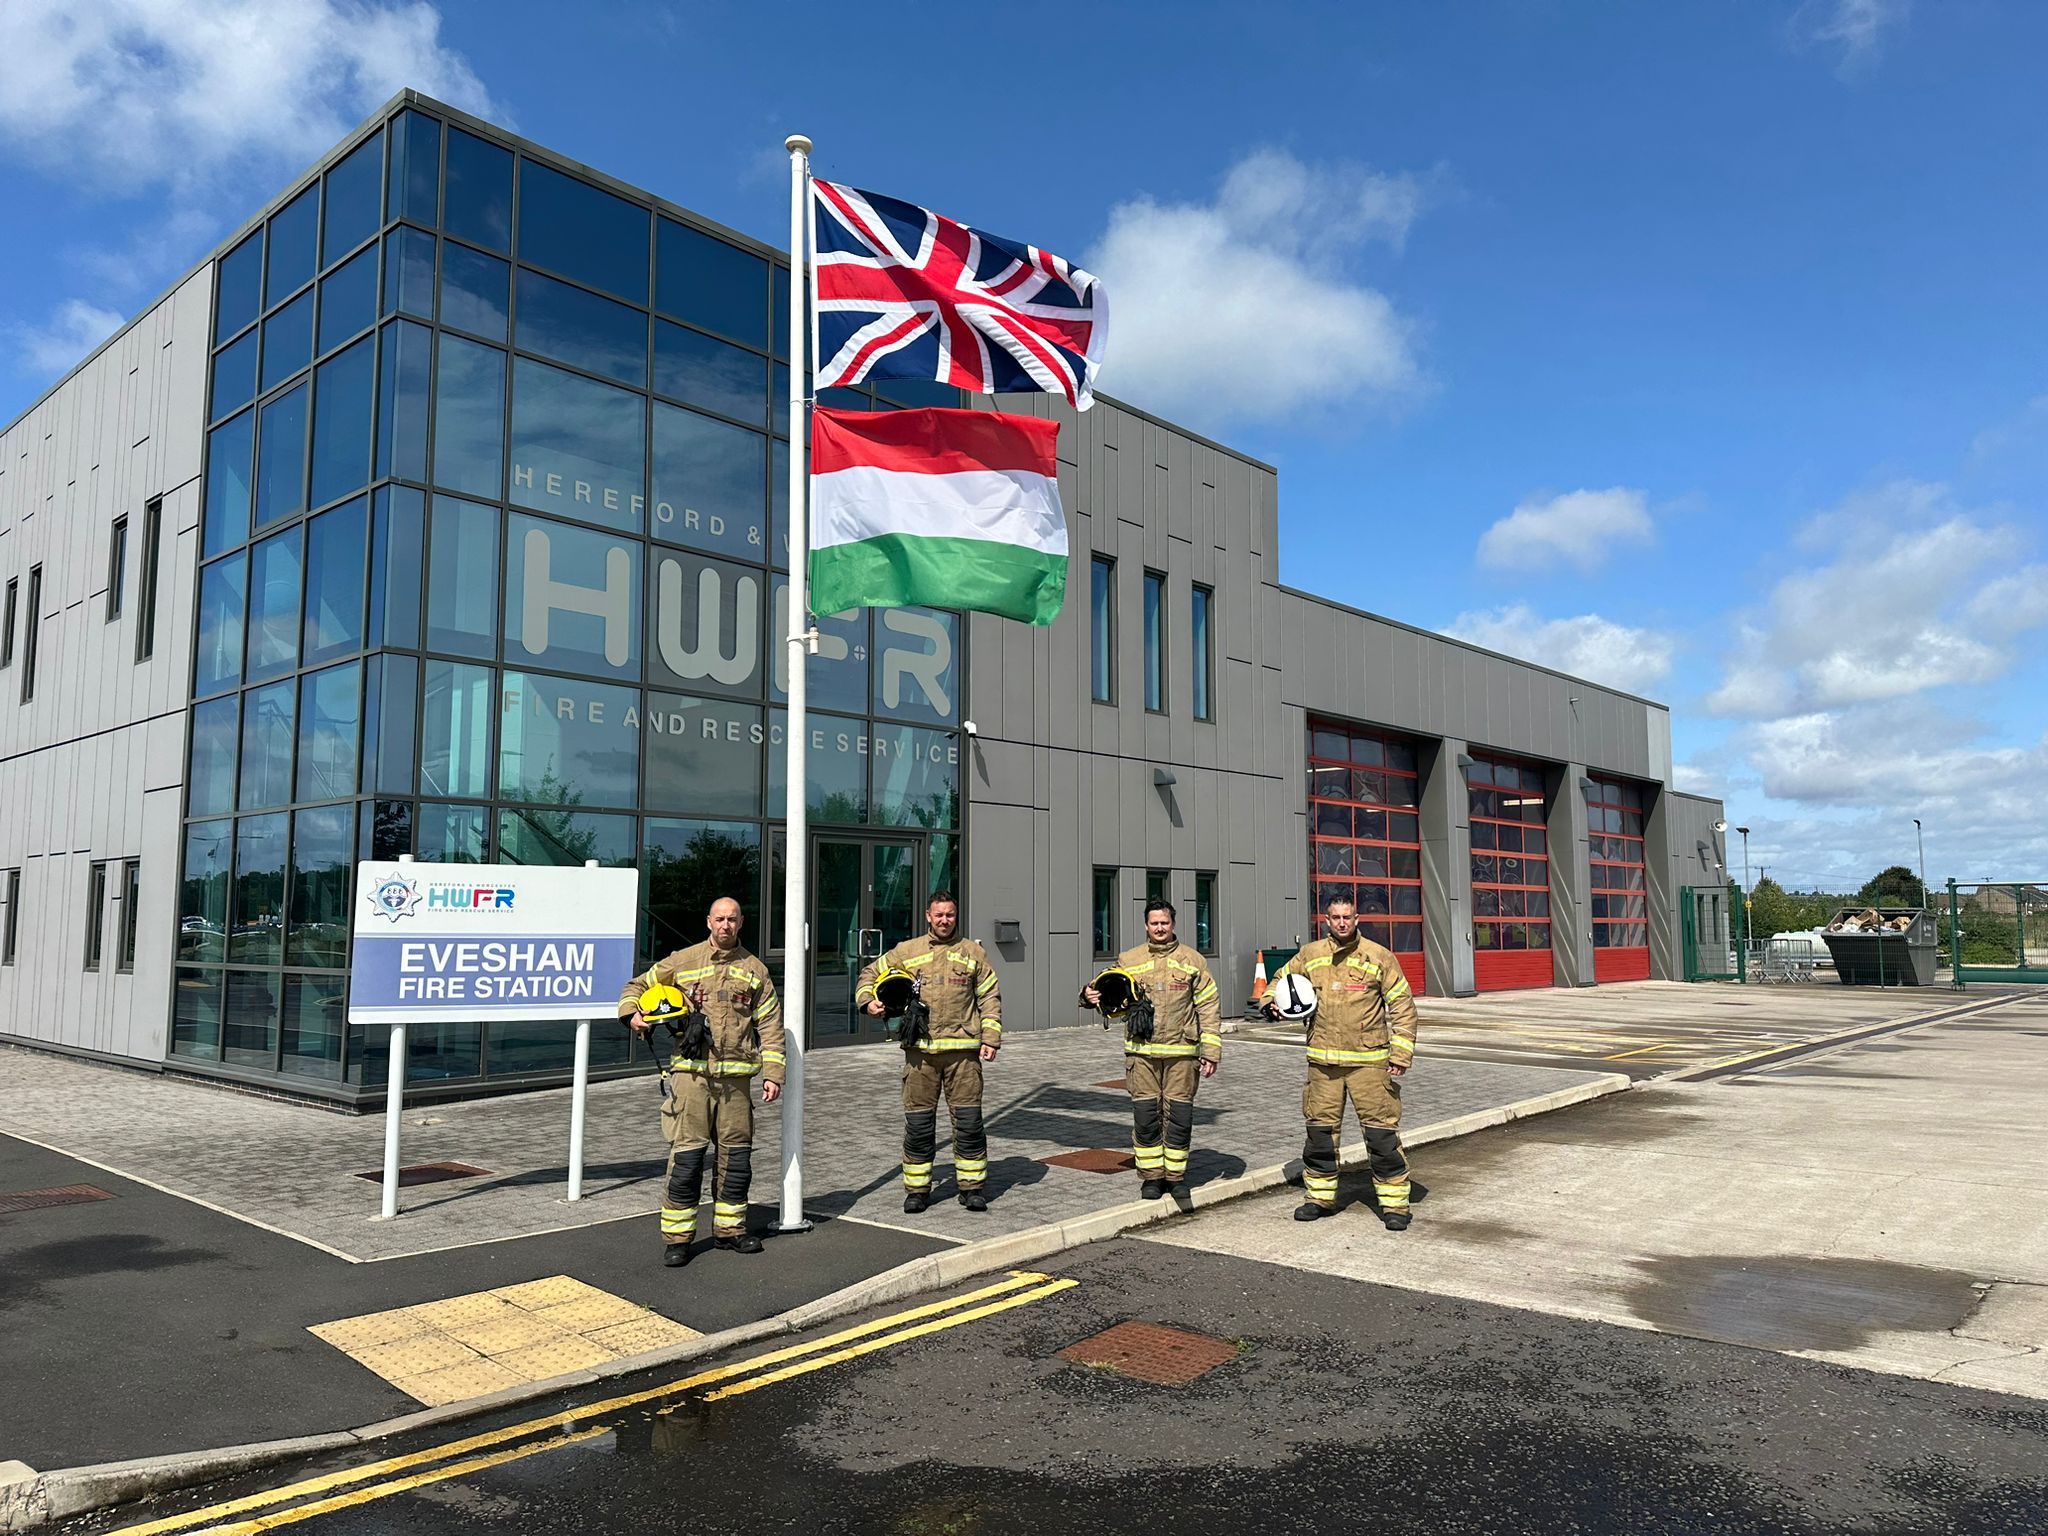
pixel 479 201
pixel 455 732
pixel 702 279
pixel 257 919
pixel 1102 635
pixel 402 401
pixel 415 189
pixel 700 371
pixel 916 776
pixel 578 447
pixel 330 730
pixel 210 787
pixel 565 742
pixel 689 865
pixel 703 755
pixel 223 593
pixel 778 500
pixel 228 483
pixel 1154 620
pixel 706 625
pixel 455 834
pixel 835 766
pixel 572 228
pixel 315 1020
pixel 348 301
pixel 344 394
pixel 388 831
pixel 942 855
pixel 249 1021
pixel 462 586
pixel 469 418
pixel 334 582
pixel 473 291
pixel 234 376
pixel 778 314
pixel 409 273
pixel 916 669
pixel 354 189
pixel 709 490
pixel 195 1015
pixel 562 837
pixel 281 466
pixel 323 862
pixel 1201 653
pixel 595 334
pixel 555 576
pixel 267 732
pixel 838 674
pixel 274 575
pixel 390 745
pixel 292 234
pixel 288 341
pixel 237 296
pixel 398 551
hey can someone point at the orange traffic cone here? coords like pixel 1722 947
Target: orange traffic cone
pixel 1259 979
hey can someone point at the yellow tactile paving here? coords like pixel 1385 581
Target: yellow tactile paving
pixel 465 1346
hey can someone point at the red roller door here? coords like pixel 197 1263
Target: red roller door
pixel 1510 875
pixel 1620 919
pixel 1365 835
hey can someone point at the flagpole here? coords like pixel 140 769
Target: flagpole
pixel 796 933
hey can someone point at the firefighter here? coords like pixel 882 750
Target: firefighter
pixel 1361 1042
pixel 734 1033
pixel 955 1026
pixel 1185 1045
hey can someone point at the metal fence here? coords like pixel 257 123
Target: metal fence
pixel 1996 931
pixel 1713 932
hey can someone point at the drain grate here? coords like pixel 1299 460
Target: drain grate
pixel 1165 1357
pixel 428 1173
pixel 43 1199
pixel 1092 1160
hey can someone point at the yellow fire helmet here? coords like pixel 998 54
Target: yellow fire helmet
pixel 661 1003
pixel 1119 989
pixel 895 988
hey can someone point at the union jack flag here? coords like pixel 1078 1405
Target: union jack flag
pixel 905 294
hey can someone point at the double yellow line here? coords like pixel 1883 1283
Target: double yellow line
pixel 312 1497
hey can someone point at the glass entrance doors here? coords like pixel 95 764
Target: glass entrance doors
pixel 866 897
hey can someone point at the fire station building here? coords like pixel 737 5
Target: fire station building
pixel 441 511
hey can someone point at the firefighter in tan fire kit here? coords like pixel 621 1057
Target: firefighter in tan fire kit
pixel 720 1007
pixel 1360 1017
pixel 1166 998
pixel 940 995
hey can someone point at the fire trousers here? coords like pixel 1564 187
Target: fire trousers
pixel 1162 1090
pixel 1376 1098
pixel 927 1075
pixel 701 1113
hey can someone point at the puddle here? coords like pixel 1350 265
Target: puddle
pixel 1795 1303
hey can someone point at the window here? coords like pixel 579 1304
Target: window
pixel 595 334
pixel 95 913
pixel 291 247
pixel 1105 913
pixel 239 285
pixel 1102 630
pixel 32 631
pixel 352 197
pixel 348 304
pixel 1155 642
pixel 1205 911
pixel 229 481
pixel 570 227
pixel 1614 828
pixel 709 283
pixel 579 448
pixel 415 186
pixel 288 340
pixel 131 910
pixel 1510 855
pixel 1201 636
pixel 281 458
pixel 10 921
pixel 469 418
pixel 345 390
pixel 1364 833
pixel 473 291
pixel 148 580
pixel 708 483
pixel 479 203
pixel 7 621
pixel 1156 882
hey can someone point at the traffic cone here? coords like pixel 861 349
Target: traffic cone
pixel 1259 979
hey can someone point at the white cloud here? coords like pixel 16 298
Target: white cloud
pixel 1580 528
pixel 1588 646
pixel 75 329
pixel 118 95
pixel 1241 309
pixel 1852 29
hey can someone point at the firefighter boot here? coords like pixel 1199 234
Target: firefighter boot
pixel 675 1255
pixel 740 1242
pixel 1308 1210
pixel 1152 1189
pixel 916 1202
pixel 974 1199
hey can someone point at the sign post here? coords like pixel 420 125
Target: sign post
pixel 486 943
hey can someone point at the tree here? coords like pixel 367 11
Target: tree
pixel 1771 910
pixel 1897 886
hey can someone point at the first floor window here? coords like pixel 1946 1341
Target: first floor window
pixel 1205 912
pixel 131 907
pixel 10 920
pixel 95 914
pixel 1104 914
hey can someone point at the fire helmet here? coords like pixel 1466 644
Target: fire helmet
pixel 1294 998
pixel 895 989
pixel 1119 989
pixel 662 1004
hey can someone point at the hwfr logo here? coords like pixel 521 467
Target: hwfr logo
pixel 468 898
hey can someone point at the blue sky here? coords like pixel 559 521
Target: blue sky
pixel 1693 346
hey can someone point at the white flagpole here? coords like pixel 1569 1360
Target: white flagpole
pixel 796 911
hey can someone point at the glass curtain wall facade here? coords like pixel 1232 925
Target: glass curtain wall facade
pixel 493 555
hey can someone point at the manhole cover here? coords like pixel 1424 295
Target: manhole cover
pixel 1166 1357
pixel 427 1173
pixel 1092 1160
pixel 43 1199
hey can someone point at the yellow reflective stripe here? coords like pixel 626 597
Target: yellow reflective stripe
pixel 959 959
pixel 994 1024
pixel 986 984
pixel 698 1067
pixel 774 1058
pixel 950 1043
pixel 701 971
pixel 1137 970
pixel 1316 965
pixel 1405 1043
pixel 767 1008
pixel 916 960
pixel 1335 1058
pixel 1211 1039
pixel 1149 1048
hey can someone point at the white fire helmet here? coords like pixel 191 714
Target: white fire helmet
pixel 1294 998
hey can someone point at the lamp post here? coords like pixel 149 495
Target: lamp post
pixel 1745 867
pixel 1921 841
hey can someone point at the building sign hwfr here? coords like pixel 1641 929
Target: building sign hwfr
pixel 462 943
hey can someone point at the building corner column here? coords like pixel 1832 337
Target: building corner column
pixel 1571 879
pixel 1446 869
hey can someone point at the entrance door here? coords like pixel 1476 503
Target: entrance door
pixel 866 897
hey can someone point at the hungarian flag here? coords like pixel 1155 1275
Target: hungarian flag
pixel 937 508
